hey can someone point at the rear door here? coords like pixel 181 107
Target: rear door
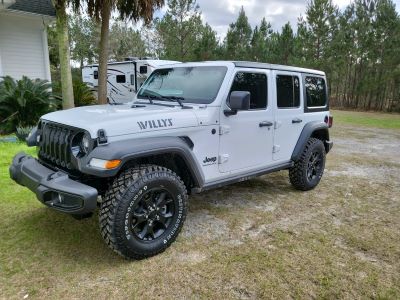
pixel 289 111
pixel 247 137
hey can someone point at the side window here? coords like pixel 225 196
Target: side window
pixel 96 74
pixel 315 91
pixel 256 84
pixel 288 91
pixel 120 78
pixel 132 79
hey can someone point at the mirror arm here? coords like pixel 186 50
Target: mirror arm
pixel 230 112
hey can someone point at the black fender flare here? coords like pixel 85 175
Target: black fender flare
pixel 306 133
pixel 134 148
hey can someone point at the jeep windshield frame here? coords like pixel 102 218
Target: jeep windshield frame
pixel 195 84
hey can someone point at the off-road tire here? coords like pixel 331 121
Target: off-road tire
pixel 298 173
pixel 126 192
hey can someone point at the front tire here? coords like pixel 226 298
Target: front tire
pixel 143 211
pixel 308 170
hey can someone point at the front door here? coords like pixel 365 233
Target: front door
pixel 246 138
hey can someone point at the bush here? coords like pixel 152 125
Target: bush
pixel 23 102
pixel 23 132
pixel 82 94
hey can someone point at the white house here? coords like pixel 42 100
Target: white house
pixel 23 38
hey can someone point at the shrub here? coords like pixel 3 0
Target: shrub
pixel 82 94
pixel 24 101
pixel 23 132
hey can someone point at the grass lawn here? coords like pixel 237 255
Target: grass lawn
pixel 255 239
pixel 369 119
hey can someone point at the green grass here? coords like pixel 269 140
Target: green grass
pixel 256 239
pixel 368 119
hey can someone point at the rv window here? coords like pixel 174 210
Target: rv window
pixel 143 70
pixel 132 79
pixel 96 74
pixel 120 78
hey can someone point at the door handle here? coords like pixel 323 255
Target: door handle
pixel 297 120
pixel 266 124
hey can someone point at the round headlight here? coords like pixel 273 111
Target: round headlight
pixel 85 143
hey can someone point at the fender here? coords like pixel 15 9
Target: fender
pixel 306 133
pixel 136 148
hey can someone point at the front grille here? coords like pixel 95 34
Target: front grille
pixel 55 144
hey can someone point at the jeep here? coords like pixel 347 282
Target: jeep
pixel 192 127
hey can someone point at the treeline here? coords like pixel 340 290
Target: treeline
pixel 358 47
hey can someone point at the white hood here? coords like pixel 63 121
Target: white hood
pixel 123 119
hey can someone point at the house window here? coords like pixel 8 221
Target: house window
pixel 315 91
pixel 256 84
pixel 288 91
pixel 120 78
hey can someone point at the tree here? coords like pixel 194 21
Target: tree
pixel 64 53
pixel 238 38
pixel 181 29
pixel 84 39
pixel 321 19
pixel 207 46
pixel 125 41
pixel 128 10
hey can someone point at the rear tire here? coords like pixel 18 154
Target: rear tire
pixel 143 211
pixel 308 170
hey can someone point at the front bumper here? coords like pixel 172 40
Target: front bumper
pixel 53 188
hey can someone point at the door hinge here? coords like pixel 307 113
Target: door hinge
pixel 276 148
pixel 223 158
pixel 224 129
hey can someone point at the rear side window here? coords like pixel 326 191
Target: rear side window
pixel 288 91
pixel 256 84
pixel 120 78
pixel 315 91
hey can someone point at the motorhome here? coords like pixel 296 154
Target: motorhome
pixel 123 78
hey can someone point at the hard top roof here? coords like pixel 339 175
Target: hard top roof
pixel 257 65
pixel 253 65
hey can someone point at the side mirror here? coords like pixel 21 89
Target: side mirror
pixel 238 100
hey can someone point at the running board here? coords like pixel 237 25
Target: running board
pixel 240 178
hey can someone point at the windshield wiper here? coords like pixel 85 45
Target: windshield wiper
pixel 152 97
pixel 176 99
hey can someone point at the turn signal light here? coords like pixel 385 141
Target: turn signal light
pixel 112 164
pixel 104 164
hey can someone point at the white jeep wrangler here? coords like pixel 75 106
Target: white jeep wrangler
pixel 192 127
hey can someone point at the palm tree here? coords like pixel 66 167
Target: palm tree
pixel 127 9
pixel 64 54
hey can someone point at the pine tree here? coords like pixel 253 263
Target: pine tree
pixel 238 38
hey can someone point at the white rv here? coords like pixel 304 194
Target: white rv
pixel 123 78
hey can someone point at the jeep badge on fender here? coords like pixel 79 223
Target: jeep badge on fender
pixel 142 173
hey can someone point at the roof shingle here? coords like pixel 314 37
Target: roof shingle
pixel 41 7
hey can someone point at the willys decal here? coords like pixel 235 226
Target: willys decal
pixel 153 124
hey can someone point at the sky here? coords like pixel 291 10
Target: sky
pixel 220 13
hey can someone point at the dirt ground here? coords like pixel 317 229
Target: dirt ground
pixel 255 239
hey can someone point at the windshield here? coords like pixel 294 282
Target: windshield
pixel 191 84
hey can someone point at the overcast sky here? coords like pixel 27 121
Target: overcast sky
pixel 220 13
